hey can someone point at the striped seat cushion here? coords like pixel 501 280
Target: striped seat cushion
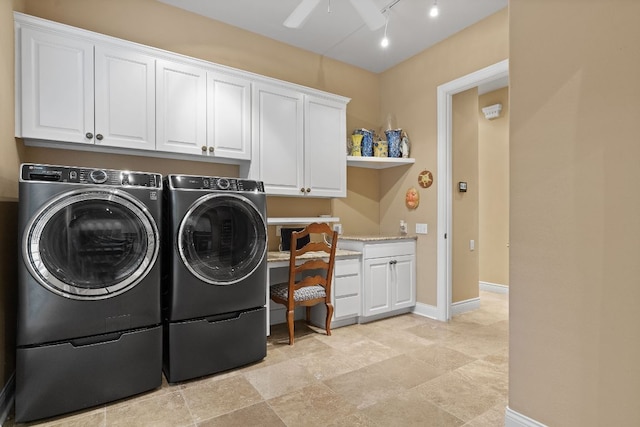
pixel 303 294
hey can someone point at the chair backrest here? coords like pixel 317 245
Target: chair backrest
pixel 324 257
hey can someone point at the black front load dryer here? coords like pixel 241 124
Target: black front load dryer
pixel 215 275
pixel 88 316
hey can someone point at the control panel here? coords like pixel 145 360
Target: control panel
pixel 77 175
pixel 189 182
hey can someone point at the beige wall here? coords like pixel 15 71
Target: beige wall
pixel 575 212
pixel 493 168
pixel 409 91
pixel 464 216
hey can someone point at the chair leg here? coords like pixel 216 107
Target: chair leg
pixel 290 321
pixel 329 316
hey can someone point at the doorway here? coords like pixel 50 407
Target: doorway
pixel 445 94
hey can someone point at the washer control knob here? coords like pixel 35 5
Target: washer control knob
pixel 98 176
pixel 223 184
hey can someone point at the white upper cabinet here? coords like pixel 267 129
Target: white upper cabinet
pixel 56 87
pixel 299 140
pixel 278 137
pixel 181 121
pixel 325 156
pixel 75 91
pixel 125 97
pixel 228 116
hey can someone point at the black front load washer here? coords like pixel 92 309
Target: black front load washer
pixel 88 317
pixel 215 275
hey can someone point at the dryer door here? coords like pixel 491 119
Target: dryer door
pixel 91 243
pixel 222 238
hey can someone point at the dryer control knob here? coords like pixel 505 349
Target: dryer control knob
pixel 98 176
pixel 223 184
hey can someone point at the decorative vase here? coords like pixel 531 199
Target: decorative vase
pixel 356 147
pixel 367 141
pixel 393 138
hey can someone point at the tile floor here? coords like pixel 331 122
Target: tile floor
pixel 402 371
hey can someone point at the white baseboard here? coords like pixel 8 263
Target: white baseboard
pixel 426 310
pixel 494 287
pixel 516 419
pixel 6 398
pixel 464 306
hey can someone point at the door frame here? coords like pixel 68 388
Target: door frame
pixel 445 94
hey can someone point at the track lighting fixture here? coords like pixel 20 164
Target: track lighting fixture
pixel 433 12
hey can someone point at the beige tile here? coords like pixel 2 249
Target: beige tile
pixel 480 317
pixel 405 371
pixel 403 321
pixel 315 405
pixel 357 419
pixel 168 409
pixel 491 375
pixel 475 346
pixel 208 399
pixel 363 388
pixel 410 409
pixel 259 414
pixel 493 417
pixel 442 358
pixel 281 378
pixel 434 330
pixel 400 340
pixel 367 351
pixel 327 363
pixel 459 396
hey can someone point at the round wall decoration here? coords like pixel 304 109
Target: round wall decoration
pixel 412 198
pixel 425 179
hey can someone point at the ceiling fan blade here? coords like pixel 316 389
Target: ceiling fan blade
pixel 301 13
pixel 369 13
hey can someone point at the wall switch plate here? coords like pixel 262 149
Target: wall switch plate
pixel 278 232
pixel 338 228
pixel 472 245
pixel 421 228
pixel 403 227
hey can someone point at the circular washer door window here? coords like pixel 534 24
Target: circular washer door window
pixel 222 238
pixel 91 244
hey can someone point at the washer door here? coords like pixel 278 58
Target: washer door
pixel 91 243
pixel 222 238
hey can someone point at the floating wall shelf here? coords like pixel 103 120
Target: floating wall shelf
pixel 378 162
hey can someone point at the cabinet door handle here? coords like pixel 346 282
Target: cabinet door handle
pixel 99 137
pixel 393 262
pixel 308 190
pixel 204 148
pixel 89 135
pixel 211 149
pixel 302 190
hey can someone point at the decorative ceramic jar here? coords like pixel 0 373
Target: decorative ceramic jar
pixel 393 138
pixel 380 148
pixel 367 141
pixel 356 145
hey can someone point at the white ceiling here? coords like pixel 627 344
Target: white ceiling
pixel 341 34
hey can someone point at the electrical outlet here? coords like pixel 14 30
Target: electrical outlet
pixel 403 227
pixel 421 228
pixel 338 228
pixel 278 230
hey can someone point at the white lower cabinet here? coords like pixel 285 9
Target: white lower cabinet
pixel 389 276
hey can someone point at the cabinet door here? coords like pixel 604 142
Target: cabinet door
pixel 377 286
pixel 403 281
pixel 181 97
pixel 56 87
pixel 228 116
pixel 325 163
pixel 278 136
pixel 125 110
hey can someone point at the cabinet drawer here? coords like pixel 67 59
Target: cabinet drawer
pixel 347 267
pixel 346 285
pixel 347 306
pixel 390 249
